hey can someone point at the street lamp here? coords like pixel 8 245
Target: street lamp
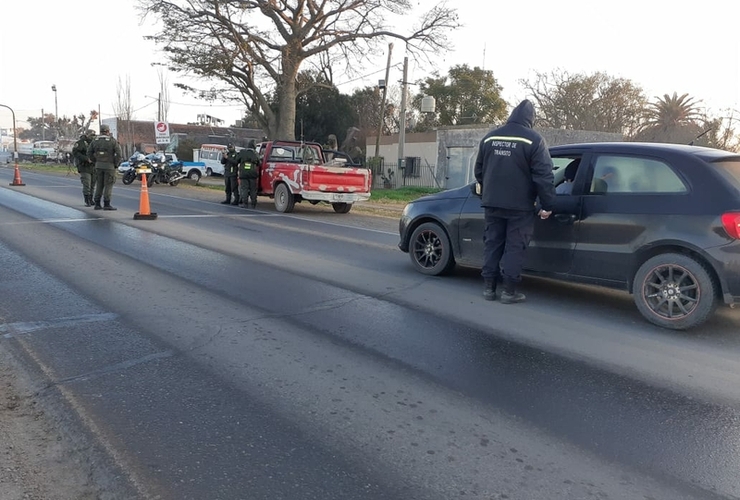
pixel 56 109
pixel 17 177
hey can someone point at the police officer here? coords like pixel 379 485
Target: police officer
pixel 249 164
pixel 105 152
pixel 513 169
pixel 84 166
pixel 231 169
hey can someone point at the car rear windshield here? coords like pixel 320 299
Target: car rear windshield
pixel 731 169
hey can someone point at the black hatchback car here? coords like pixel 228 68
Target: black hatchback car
pixel 661 221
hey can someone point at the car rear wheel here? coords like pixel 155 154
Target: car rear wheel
pixel 209 172
pixel 342 208
pixel 284 199
pixel 194 175
pixel 430 249
pixel 674 291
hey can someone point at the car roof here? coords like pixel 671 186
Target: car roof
pixel 707 154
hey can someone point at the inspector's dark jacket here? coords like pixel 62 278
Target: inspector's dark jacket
pixel 514 166
pixel 249 163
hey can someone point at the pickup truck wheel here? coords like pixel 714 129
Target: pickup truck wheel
pixel 194 175
pixel 342 208
pixel 284 199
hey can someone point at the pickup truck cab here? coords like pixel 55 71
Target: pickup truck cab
pixel 291 172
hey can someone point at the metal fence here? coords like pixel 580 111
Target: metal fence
pixel 413 172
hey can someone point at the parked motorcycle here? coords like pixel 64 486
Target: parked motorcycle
pixel 162 170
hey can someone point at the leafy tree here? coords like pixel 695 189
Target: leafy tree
pixel 596 102
pixel 464 96
pixel 671 119
pixel 366 104
pixel 321 109
pixel 44 127
pixel 254 49
pixel 720 132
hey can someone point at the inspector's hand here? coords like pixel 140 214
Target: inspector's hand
pixel 544 214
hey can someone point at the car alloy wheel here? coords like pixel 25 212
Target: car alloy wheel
pixel 430 249
pixel 675 291
pixel 671 291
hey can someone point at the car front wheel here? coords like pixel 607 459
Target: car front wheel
pixel 430 249
pixel 674 291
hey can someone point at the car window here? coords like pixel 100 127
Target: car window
pixel 634 175
pixel 731 169
pixel 563 166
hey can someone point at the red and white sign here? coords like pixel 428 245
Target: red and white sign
pixel 162 132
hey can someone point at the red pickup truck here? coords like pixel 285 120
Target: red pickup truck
pixel 293 171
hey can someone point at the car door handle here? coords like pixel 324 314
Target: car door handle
pixel 565 218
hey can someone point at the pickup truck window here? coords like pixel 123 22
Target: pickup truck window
pixel 282 154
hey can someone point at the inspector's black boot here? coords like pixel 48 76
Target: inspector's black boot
pixel 510 295
pixel 489 289
pixel 88 200
pixel 227 201
pixel 97 205
pixel 107 206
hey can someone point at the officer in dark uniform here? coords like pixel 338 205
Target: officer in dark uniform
pixel 231 170
pixel 513 169
pixel 84 166
pixel 249 173
pixel 105 153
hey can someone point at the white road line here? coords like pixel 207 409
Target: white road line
pixel 32 326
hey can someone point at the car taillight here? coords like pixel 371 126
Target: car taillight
pixel 731 223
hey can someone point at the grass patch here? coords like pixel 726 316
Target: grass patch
pixel 401 195
pixel 45 167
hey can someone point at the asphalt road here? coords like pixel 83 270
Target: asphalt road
pixel 223 353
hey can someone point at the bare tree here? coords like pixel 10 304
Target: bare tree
pixel 254 49
pixel 596 102
pixel 124 110
pixel 164 95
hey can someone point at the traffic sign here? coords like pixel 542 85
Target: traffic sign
pixel 162 132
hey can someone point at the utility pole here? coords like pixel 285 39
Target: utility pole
pixel 43 125
pixel 402 124
pixel 159 107
pixel 56 110
pixel 382 101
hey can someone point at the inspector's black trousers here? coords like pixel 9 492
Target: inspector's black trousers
pixel 506 237
pixel 231 187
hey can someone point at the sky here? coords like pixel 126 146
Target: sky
pixel 84 47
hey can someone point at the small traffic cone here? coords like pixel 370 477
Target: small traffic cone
pixel 144 212
pixel 17 177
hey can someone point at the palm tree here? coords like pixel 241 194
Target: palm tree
pixel 670 119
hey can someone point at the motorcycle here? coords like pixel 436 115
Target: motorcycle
pixel 162 170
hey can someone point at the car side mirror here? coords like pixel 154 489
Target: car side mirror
pixel 475 188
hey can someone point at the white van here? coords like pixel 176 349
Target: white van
pixel 211 154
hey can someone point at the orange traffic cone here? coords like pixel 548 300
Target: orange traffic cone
pixel 144 212
pixel 17 177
